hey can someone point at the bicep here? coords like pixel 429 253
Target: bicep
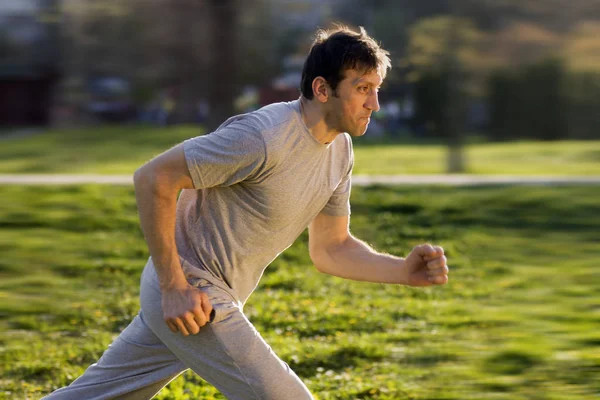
pixel 169 168
pixel 326 231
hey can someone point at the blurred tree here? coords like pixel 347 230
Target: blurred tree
pixel 504 105
pixel 494 34
pixel 439 40
pixel 260 49
pixel 523 43
pixel 223 47
pixel 583 103
pixel 454 106
pixel 99 38
pixel 443 53
pixel 530 101
pixel 544 99
pixel 189 28
pixel 187 49
pixel 582 47
pixel 430 95
pixel 6 47
pixel 537 92
pixel 209 49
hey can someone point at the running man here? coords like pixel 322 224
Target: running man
pixel 248 190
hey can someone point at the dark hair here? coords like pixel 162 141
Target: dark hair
pixel 337 50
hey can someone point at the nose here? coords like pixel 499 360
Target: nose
pixel 372 101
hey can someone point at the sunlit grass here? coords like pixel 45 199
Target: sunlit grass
pixel 518 319
pixel 122 149
pixel 562 158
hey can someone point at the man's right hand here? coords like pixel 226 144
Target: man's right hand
pixel 186 309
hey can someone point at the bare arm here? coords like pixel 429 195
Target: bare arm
pixel 335 251
pixel 157 184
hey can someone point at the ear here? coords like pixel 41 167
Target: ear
pixel 321 89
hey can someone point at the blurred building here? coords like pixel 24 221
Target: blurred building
pixel 28 60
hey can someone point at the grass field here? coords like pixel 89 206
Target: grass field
pixel 518 320
pixel 120 150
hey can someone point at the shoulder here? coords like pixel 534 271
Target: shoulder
pixel 343 144
pixel 258 131
pixel 346 139
pixel 263 119
pixel 344 151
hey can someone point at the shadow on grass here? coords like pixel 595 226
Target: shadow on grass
pixel 345 357
pixel 531 209
pixel 511 362
pixel 326 326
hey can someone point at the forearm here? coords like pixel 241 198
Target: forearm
pixel 356 260
pixel 157 202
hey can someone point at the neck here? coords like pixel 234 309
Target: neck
pixel 314 117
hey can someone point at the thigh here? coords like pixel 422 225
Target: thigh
pixel 136 365
pixel 229 352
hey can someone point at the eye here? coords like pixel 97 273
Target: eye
pixel 363 89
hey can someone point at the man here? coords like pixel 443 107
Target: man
pixel 248 190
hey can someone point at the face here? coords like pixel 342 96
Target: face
pixel 357 99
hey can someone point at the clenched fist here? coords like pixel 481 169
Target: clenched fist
pixel 186 309
pixel 426 265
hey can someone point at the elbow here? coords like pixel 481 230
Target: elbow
pixel 144 177
pixel 321 268
pixel 319 260
pixel 144 182
pixel 150 181
pixel 326 256
pixel 139 176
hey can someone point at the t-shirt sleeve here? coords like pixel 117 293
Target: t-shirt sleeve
pixel 339 202
pixel 231 154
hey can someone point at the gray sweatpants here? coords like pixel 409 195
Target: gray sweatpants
pixel 229 353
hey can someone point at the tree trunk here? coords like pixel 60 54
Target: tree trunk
pixel 187 68
pixel 454 107
pixel 223 63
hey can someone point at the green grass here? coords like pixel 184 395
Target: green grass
pixel 518 320
pixel 121 149
pixel 562 158
pixel 106 150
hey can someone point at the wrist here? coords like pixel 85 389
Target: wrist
pixel 172 285
pixel 171 278
pixel 402 274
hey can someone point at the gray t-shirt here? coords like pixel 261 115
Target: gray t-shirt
pixel 259 180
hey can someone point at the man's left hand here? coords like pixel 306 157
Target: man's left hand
pixel 426 265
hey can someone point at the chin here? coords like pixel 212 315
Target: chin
pixel 357 132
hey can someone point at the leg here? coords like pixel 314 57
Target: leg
pixel 229 352
pixel 135 366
